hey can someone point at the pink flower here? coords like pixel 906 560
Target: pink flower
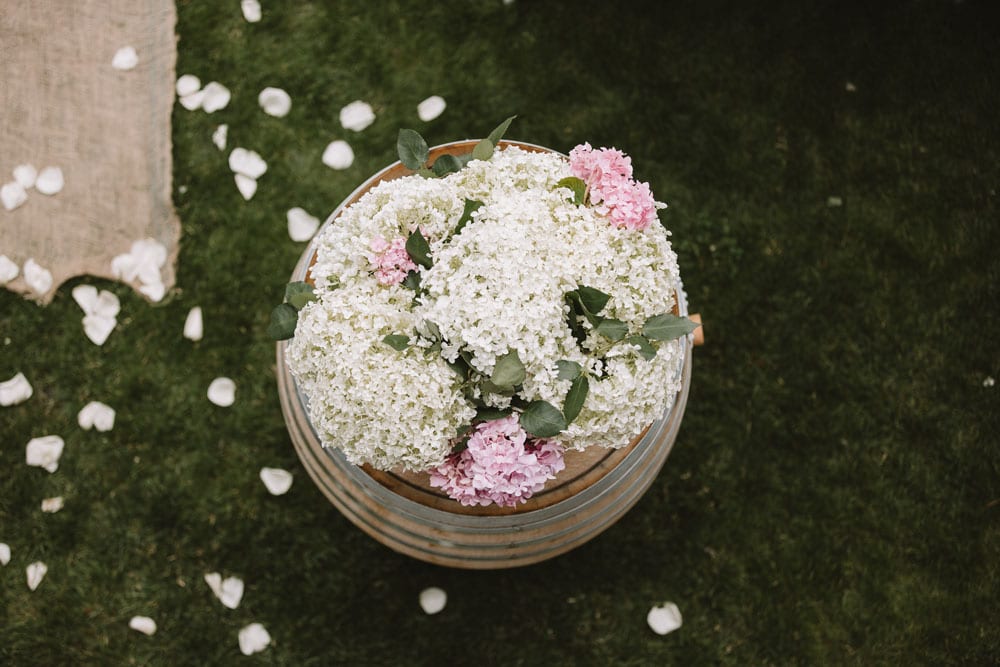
pixel 391 260
pixel 610 188
pixel 501 465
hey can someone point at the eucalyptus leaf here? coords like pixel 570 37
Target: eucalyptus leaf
pixel 283 321
pixel 460 367
pixel 646 349
pixel 412 281
pixel 498 132
pixel 487 387
pixel 446 164
pixel 426 173
pixel 412 149
pixel 575 398
pixel 418 249
pixel 542 420
pixel 612 329
pixel 471 206
pixel 464 159
pixel 593 300
pixel 397 341
pixel 298 287
pixel 489 414
pixel 483 150
pixel 508 371
pixel 433 332
pixel 568 370
pixel 578 187
pixel 667 327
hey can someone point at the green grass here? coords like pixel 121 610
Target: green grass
pixel 834 494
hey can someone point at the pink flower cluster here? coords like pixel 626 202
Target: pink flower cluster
pixel 501 465
pixel 391 261
pixel 610 187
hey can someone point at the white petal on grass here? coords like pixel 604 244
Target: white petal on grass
pixel 431 108
pixel 246 185
pixel 276 480
pixel 39 279
pixel 219 136
pixel 125 58
pixel 228 590
pixel 12 195
pixel 850 87
pixel 15 390
pixel 35 573
pixel 338 155
pixel 53 505
pixel 25 174
pixel 44 452
pixel 222 392
pixel 96 415
pixel 85 297
pixel 251 10
pixel 193 325
pixel 247 162
pixel 665 619
pixel 301 225
pixel 187 84
pixel 834 202
pixel 4 553
pixel 357 116
pixel 193 101
pixel 275 102
pixel 143 262
pixel 216 96
pixel 253 638
pixel 97 328
pixel 988 381
pixel 50 181
pixel 143 624
pixel 433 600
pixel 8 270
pixel 154 290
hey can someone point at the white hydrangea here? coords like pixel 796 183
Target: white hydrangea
pixel 496 286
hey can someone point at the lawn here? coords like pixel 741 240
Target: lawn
pixel 834 494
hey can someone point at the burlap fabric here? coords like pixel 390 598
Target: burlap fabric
pixel 63 104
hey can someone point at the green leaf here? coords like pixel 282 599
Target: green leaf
pixel 412 149
pixel 575 397
pixel 667 327
pixel 418 249
pixel 397 341
pixel 433 332
pixel 489 414
pixel 575 184
pixel 612 329
pixel 592 299
pixel 426 173
pixel 412 281
pixel 646 350
pixel 471 206
pixel 283 321
pixel 460 367
pixel 497 134
pixel 508 371
pixel 298 294
pixel 483 150
pixel 542 419
pixel 446 164
pixel 568 370
pixel 487 387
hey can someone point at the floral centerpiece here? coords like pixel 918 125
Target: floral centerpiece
pixel 486 315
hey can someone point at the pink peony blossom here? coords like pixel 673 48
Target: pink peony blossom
pixel 391 260
pixel 610 188
pixel 501 465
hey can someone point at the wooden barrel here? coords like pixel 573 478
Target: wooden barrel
pixel 403 512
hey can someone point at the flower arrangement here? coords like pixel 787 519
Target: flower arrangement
pixel 482 317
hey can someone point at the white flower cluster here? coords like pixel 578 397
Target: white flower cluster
pixel 496 286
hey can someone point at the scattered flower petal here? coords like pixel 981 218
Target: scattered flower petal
pixel 187 84
pixel 44 452
pixel 222 392
pixel 97 328
pixel 125 58
pixel 8 270
pixel 989 381
pixel 50 180
pixel 850 87
pixel 38 279
pixel 155 291
pixel 276 480
pixel 431 108
pixel 143 624
pixel 246 162
pixel 228 590
pixel 12 195
pixel 357 116
pixel 664 619
pixel 251 10
pixel 193 101
pixel 246 185
pixel 96 415
pixel 275 102
pixel 15 390
pixel 219 136
pixel 216 97
pixel 432 600
pixel 338 155
pixel 834 202
pixel 253 639
pixel 143 261
pixel 35 573
pixel 193 327
pixel 25 174
pixel 301 225
pixel 85 297
pixel 4 553
pixel 52 505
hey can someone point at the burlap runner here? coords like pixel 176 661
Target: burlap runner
pixel 63 104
